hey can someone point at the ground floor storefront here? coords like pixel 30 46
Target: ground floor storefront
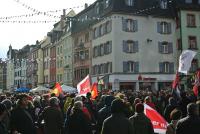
pixel 137 82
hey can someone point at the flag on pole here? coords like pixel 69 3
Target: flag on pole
pixel 175 86
pixel 185 60
pixel 197 83
pixel 84 86
pixel 94 90
pixel 159 123
pixel 57 89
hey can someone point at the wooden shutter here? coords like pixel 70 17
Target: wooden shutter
pixel 160 48
pixel 125 46
pixel 136 67
pixel 170 46
pixel 159 27
pixel 135 25
pixel 169 28
pixel 135 46
pixel 161 67
pixel 124 24
pixel 171 67
pixel 125 66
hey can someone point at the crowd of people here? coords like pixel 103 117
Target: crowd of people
pixel 112 112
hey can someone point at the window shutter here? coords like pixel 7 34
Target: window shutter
pixel 158 27
pixel 136 67
pixel 135 46
pixel 125 66
pixel 161 67
pixel 105 48
pixel 110 46
pixel 124 46
pixel 171 67
pixel 98 50
pixel 169 28
pixel 124 24
pixel 170 45
pixel 135 24
pixel 160 48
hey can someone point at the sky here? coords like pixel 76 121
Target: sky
pixel 20 34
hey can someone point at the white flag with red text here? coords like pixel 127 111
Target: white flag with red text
pixel 84 86
pixel 159 123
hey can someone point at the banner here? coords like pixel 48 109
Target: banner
pixel 84 86
pixel 159 123
pixel 185 60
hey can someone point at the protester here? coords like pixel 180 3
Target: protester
pixel 52 116
pixel 175 115
pixel 149 102
pixel 77 122
pixel 191 123
pixel 21 120
pixel 169 108
pixel 3 112
pixel 117 123
pixel 140 123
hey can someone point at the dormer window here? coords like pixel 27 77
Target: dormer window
pixel 163 4
pixel 107 2
pixel 188 1
pixel 129 2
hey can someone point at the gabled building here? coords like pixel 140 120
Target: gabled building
pixel 133 45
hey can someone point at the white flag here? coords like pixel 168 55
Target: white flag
pixel 185 61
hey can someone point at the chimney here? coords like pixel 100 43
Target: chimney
pixel 86 5
pixel 63 18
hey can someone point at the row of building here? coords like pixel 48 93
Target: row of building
pixel 131 44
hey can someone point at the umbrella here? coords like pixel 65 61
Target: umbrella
pixel 39 89
pixel 22 89
pixel 68 89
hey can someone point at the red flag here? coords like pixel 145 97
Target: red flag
pixel 176 81
pixel 84 86
pixel 57 89
pixel 196 83
pixel 159 123
pixel 94 90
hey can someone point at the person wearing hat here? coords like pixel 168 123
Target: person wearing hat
pixel 140 123
pixel 117 123
pixel 21 120
pixel 3 112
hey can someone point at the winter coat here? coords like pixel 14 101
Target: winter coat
pixel 117 124
pixel 22 121
pixel 188 125
pixel 53 120
pixel 78 123
pixel 141 124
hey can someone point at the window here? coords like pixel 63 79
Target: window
pixel 165 47
pixel 130 66
pixel 87 37
pixel 129 2
pixel 192 40
pixel 108 26
pixel 87 54
pixel 82 55
pixel 164 28
pixel 108 47
pixel 130 46
pixel 129 25
pixel 179 46
pixel 163 4
pixel 101 50
pixel 194 65
pixel 188 1
pixel 166 67
pixel 191 20
pixel 95 32
pixel 100 30
pixel 107 2
pixel 95 51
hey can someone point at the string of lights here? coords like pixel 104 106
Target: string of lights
pixel 5 19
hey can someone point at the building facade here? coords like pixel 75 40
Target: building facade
pixel 3 75
pixel 136 50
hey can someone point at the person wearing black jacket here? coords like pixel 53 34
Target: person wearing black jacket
pixel 191 123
